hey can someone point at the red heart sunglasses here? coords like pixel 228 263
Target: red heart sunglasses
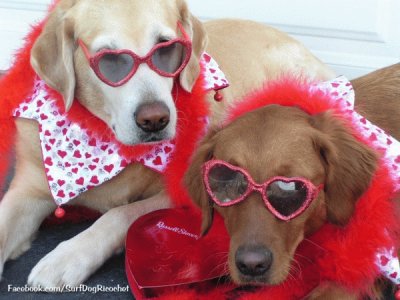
pixel 286 198
pixel 116 67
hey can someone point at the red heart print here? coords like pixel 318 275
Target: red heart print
pixel 88 155
pixel 104 147
pixel 48 148
pixel 60 123
pixel 157 161
pixel 80 164
pixel 48 161
pixel 39 103
pixel 77 154
pixel 67 164
pixel 47 133
pixel 94 180
pixel 71 195
pixel 92 167
pixel 75 170
pixel 109 168
pixel 60 182
pixel 52 141
pixel 43 117
pixel 64 131
pixel 96 160
pixel 335 85
pixel 92 142
pixel 167 149
pixel 207 58
pixel 384 260
pixel 124 163
pixel 61 194
pixel 393 275
pixel 110 151
pixel 80 181
pixel 373 137
pixel 61 153
pixel 397 160
pixel 212 70
pixel 76 143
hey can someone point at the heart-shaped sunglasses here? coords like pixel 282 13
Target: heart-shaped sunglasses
pixel 116 67
pixel 286 198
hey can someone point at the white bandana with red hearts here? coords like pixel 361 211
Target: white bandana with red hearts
pixel 74 162
pixel 341 89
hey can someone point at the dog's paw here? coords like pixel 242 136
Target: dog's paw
pixel 66 265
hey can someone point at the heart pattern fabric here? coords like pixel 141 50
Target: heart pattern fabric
pixel 74 161
pixel 214 78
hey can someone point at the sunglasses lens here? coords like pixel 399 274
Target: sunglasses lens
pixel 115 67
pixel 287 197
pixel 226 185
pixel 169 58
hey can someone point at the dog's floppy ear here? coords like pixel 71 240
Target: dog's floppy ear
pixel 350 166
pixel 52 53
pixel 193 180
pixel 196 31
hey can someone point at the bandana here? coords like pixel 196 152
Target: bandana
pixel 74 160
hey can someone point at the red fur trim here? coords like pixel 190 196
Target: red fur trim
pixel 342 255
pixel 190 130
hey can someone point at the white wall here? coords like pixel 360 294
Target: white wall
pixel 353 36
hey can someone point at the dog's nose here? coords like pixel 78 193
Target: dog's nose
pixel 152 117
pixel 253 260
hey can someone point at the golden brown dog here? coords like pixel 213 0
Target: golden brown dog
pixel 285 141
pixel 57 59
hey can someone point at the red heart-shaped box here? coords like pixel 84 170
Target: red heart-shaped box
pixel 164 249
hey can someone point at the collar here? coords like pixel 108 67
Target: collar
pixel 75 159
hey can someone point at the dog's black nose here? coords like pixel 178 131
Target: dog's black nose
pixel 253 260
pixel 152 117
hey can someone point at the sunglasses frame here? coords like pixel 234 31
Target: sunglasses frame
pixel 94 60
pixel 312 190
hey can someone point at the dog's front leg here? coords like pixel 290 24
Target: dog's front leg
pixel 21 213
pixel 74 260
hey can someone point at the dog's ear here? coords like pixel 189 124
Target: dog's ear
pixel 52 53
pixel 350 166
pixel 197 33
pixel 193 180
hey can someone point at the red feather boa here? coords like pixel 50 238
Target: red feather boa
pixel 342 255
